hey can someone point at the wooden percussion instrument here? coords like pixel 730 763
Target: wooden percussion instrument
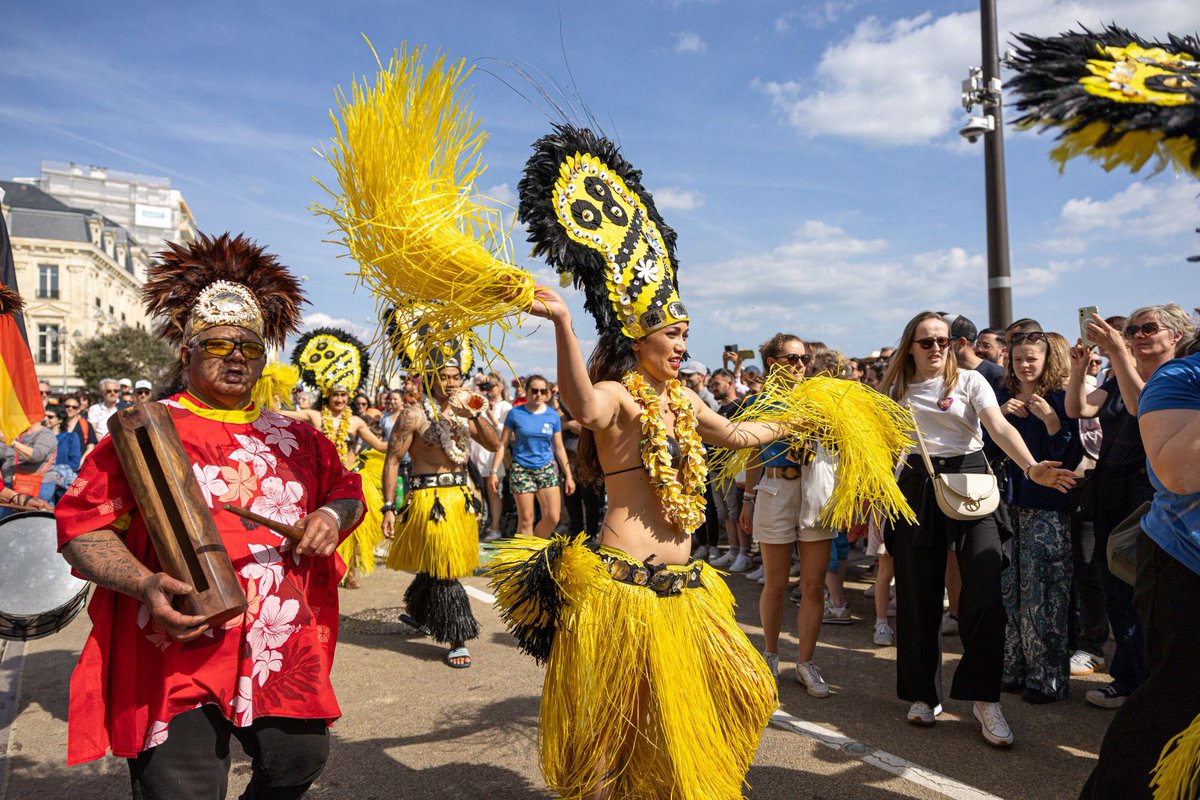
pixel 179 522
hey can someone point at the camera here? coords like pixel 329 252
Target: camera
pixel 976 127
pixel 731 348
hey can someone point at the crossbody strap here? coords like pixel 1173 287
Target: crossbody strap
pixel 925 451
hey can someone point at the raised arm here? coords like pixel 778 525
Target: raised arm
pixel 1080 403
pixel 1124 367
pixel 594 410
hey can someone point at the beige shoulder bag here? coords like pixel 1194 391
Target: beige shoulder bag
pixel 962 495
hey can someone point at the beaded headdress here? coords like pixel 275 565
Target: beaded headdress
pixel 222 280
pixel 592 220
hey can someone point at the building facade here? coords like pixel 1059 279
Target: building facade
pixel 79 272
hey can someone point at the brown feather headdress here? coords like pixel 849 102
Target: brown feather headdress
pixel 10 301
pixel 222 280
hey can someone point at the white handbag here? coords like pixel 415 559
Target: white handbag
pixel 963 495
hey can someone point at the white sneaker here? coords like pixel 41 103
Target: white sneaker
pixel 884 635
pixel 836 616
pixel 808 676
pixel 992 724
pixel 949 624
pixel 1084 663
pixel 701 553
pixel 919 713
pixel 492 536
pixel 762 581
pixel 723 560
pixel 772 660
pixel 754 574
pixel 741 563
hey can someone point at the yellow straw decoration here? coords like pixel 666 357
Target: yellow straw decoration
pixel 406 154
pixel 273 390
pixel 1176 776
pixel 866 431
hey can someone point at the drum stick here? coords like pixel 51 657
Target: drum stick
pixel 282 528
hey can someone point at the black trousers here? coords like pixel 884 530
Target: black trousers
pixel 1128 668
pixel 1088 628
pixel 193 763
pixel 583 507
pixel 1169 699
pixel 919 553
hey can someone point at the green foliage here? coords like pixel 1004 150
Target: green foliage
pixel 125 353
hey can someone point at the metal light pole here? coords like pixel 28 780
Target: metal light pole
pixel 983 88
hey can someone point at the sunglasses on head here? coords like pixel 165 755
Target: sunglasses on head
pixel 1146 328
pixel 1033 337
pixel 929 341
pixel 795 358
pixel 225 347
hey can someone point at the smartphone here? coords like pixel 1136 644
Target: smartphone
pixel 746 355
pixel 731 348
pixel 1085 316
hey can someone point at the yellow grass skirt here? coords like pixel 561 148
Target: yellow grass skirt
pixel 657 696
pixel 437 532
pixel 358 549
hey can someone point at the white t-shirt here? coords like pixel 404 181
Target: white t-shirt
pixel 481 457
pixel 953 430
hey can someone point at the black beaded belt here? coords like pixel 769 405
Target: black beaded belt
pixel 662 579
pixel 439 480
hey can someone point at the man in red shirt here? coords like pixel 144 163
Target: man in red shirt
pixel 159 687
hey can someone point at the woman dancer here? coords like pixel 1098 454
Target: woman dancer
pixel 949 404
pixel 534 430
pixel 1037 582
pixel 651 688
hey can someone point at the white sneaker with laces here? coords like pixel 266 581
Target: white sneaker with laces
pixel 772 660
pixel 492 536
pixel 884 635
pixel 919 713
pixel 741 563
pixel 1084 663
pixel 836 616
pixel 754 574
pixel 723 560
pixel 992 723
pixel 808 676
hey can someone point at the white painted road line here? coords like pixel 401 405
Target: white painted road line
pixel 832 739
pixel 881 759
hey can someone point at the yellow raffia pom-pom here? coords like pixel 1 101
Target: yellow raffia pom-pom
pixel 1176 776
pixel 867 432
pixel 273 389
pixel 406 155
pixel 681 491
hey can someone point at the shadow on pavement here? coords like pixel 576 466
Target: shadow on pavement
pixel 855 781
pixel 45 678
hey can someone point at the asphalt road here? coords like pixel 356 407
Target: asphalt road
pixel 412 727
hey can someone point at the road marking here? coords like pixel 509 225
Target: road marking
pixel 878 758
pixel 881 759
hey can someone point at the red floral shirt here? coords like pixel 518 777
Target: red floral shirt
pixel 273 660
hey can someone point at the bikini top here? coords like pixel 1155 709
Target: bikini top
pixel 672 449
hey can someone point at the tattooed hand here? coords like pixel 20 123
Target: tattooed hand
pixel 156 592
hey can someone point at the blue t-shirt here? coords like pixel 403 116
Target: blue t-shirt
pixel 1174 519
pixel 777 453
pixel 533 435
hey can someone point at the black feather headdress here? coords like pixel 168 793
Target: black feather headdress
pixel 10 301
pixel 591 218
pixel 222 280
pixel 1117 98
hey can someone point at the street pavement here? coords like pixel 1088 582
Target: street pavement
pixel 414 728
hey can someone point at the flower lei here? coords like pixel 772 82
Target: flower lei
pixel 453 435
pixel 681 491
pixel 338 433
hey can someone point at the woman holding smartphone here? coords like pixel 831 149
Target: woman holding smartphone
pixel 950 406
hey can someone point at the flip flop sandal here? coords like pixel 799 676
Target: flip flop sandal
pixel 458 652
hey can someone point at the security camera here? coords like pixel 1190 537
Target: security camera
pixel 976 127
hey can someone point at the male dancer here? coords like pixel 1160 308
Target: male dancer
pixel 438 532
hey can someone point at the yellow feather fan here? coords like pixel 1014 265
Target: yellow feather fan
pixel 406 155
pixel 865 430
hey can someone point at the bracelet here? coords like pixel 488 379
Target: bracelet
pixel 388 507
pixel 337 518
pixel 1028 467
pixel 749 501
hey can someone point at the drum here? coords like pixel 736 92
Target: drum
pixel 38 593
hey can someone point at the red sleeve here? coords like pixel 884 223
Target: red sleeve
pixel 97 498
pixel 335 482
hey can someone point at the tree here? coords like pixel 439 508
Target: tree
pixel 125 353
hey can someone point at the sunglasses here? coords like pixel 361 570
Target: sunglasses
pixel 540 391
pixel 1146 328
pixel 1033 337
pixel 929 341
pixel 225 347
pixel 69 406
pixel 112 391
pixel 795 358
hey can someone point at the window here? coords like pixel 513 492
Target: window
pixel 48 281
pixel 47 344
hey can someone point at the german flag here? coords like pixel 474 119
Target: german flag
pixel 20 400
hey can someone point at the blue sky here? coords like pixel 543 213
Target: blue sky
pixel 806 152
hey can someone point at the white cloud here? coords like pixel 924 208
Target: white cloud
pixel 672 198
pixel 814 16
pixel 1140 211
pixel 319 319
pixel 689 42
pixel 898 82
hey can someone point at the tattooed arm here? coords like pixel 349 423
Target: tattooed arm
pixel 101 557
pixel 398 443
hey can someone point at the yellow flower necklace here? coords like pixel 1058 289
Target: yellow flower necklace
pixel 681 491
pixel 337 430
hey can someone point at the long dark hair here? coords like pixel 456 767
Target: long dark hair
pixel 610 361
